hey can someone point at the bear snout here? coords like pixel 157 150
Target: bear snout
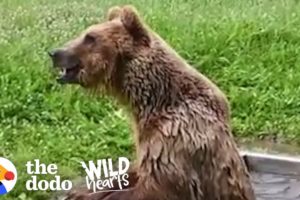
pixel 68 64
pixel 63 58
pixel 57 57
pixel 56 53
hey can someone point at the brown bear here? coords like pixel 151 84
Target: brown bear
pixel 181 120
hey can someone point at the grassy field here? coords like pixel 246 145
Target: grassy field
pixel 249 48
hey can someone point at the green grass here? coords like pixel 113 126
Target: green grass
pixel 249 48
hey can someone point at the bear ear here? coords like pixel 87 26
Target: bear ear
pixel 134 25
pixel 113 13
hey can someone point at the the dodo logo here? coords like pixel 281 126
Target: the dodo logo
pixel 8 176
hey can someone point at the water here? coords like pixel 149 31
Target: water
pixel 269 186
pixel 275 186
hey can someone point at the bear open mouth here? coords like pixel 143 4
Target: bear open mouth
pixel 68 75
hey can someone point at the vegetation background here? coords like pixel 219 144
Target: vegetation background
pixel 250 48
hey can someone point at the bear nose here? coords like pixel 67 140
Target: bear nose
pixel 51 53
pixel 55 54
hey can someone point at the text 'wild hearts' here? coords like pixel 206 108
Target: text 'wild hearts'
pixel 103 175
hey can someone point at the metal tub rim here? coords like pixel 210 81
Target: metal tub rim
pixel 271 163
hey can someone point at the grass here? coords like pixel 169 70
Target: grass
pixel 249 48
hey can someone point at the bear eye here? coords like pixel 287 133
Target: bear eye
pixel 89 39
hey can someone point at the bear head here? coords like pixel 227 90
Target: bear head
pixel 94 58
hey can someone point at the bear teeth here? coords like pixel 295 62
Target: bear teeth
pixel 63 72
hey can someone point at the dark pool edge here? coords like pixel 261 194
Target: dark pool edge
pixel 272 163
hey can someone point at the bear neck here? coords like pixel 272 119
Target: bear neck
pixel 146 88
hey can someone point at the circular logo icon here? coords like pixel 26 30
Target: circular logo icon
pixel 8 176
